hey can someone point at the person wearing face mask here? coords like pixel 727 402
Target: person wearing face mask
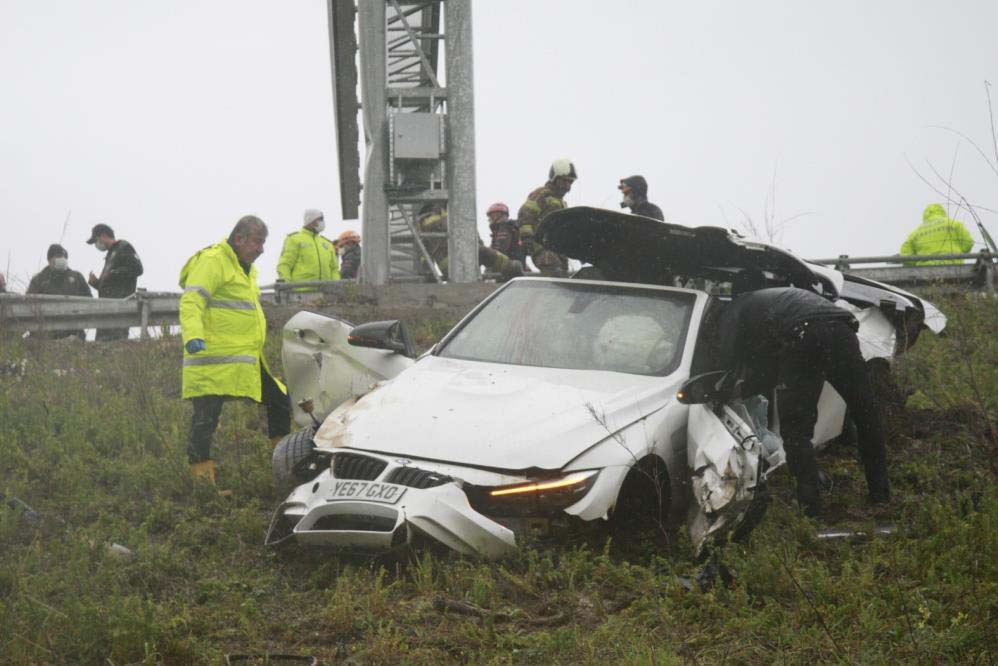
pixel 122 268
pixel 307 255
pixel 539 204
pixel 635 193
pixel 59 279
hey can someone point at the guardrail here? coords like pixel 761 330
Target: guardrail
pixel 41 312
pixel 145 309
pixel 982 273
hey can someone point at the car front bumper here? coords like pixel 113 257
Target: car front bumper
pixel 313 515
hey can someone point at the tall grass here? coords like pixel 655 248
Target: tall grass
pixel 93 438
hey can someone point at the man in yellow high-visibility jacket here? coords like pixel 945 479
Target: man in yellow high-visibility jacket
pixel 937 234
pixel 306 255
pixel 223 329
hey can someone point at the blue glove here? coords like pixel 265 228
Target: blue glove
pixel 196 345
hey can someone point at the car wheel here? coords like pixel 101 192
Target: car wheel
pixel 290 460
pixel 754 514
pixel 645 497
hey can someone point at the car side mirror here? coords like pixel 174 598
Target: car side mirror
pixel 391 335
pixel 708 387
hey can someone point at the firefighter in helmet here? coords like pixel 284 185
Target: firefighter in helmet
pixel 539 204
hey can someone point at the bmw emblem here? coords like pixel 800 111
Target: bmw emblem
pixel 403 461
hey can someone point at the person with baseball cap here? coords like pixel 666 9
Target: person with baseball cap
pixel 122 268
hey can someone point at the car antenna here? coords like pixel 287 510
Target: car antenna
pixel 65 226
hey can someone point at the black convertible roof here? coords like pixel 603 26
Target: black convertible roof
pixel 638 249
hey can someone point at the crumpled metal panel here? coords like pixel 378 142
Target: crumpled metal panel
pixel 723 453
pixel 320 364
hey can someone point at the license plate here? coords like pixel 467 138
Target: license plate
pixel 369 491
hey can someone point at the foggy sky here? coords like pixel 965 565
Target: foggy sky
pixel 170 120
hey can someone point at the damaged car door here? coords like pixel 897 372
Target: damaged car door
pixel 322 363
pixel 730 453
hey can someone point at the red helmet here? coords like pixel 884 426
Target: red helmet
pixel 498 207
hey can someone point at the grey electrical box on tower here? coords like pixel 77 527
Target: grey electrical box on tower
pixel 416 136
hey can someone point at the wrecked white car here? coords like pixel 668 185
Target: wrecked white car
pixel 554 399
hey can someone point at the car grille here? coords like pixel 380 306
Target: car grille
pixel 355 523
pixel 354 466
pixel 414 477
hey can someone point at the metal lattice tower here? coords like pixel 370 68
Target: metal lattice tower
pixel 418 122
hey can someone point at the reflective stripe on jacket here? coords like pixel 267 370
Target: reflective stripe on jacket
pixel 221 305
pixel 539 204
pixel 937 234
pixel 308 256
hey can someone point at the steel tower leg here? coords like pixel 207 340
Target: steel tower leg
pixel 462 209
pixel 375 261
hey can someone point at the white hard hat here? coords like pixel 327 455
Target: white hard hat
pixel 562 168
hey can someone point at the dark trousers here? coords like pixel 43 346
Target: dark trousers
pixel 207 409
pixel 819 352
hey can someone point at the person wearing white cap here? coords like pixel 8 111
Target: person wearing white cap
pixel 307 255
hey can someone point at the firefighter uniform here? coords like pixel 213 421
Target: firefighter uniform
pixel 539 204
pixel 435 221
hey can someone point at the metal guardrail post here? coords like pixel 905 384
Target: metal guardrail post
pixel 986 265
pixel 145 309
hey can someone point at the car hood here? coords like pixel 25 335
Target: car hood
pixel 494 416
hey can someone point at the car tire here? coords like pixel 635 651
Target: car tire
pixel 644 498
pixel 289 457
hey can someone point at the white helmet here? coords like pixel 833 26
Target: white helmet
pixel 562 168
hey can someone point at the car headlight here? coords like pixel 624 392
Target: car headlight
pixel 534 497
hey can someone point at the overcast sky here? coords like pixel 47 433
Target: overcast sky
pixel 170 120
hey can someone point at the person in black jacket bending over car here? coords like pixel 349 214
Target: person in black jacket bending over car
pixel 794 340
pixel 122 269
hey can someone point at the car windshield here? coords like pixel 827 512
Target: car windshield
pixel 578 326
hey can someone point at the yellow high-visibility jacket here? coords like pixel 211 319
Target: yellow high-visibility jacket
pixel 308 256
pixel 221 305
pixel 937 234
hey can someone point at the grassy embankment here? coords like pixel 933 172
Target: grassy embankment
pixel 93 438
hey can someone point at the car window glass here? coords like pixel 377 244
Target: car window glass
pixel 578 326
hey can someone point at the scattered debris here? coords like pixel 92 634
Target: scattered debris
pixel 443 604
pixel 15 369
pixel 270 659
pixel 117 551
pixel 854 535
pixel 711 571
pixel 28 514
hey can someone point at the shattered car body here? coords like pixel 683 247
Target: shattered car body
pixel 556 398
